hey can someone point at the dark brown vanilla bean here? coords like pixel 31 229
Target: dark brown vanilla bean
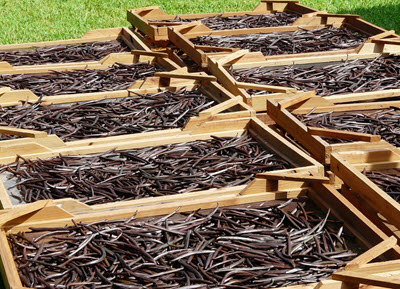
pixel 254 246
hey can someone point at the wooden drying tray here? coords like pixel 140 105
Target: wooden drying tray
pixel 377 205
pixel 221 125
pixel 123 33
pixel 311 138
pixel 168 81
pixel 53 213
pixel 9 97
pixel 157 31
pixel 219 66
pixel 181 36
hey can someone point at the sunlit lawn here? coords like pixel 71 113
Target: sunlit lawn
pixel 39 20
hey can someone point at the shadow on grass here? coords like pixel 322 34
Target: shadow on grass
pixel 386 15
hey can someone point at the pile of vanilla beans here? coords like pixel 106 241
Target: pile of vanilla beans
pixel 108 117
pixel 141 173
pixel 63 53
pixel 387 180
pixel 383 122
pixel 361 75
pixel 117 77
pixel 257 246
pixel 300 41
pixel 219 22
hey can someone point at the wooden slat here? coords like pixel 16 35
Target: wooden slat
pixel 358 224
pixel 344 134
pixel 294 177
pixel 22 132
pixel 288 102
pixel 149 53
pixel 363 278
pixel 194 76
pixel 299 131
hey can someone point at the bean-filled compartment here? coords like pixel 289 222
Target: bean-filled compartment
pixel 135 113
pixel 354 76
pixel 117 77
pixel 300 41
pixel 383 122
pixel 141 173
pixel 220 22
pixel 271 244
pixel 63 53
pixel 388 180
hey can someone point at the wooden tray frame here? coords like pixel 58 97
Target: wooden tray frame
pixel 219 66
pixel 169 81
pixel 229 124
pixel 139 18
pixel 181 35
pixel 48 213
pixel 122 33
pixel 376 204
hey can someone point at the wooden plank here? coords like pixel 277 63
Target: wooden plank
pixel 22 132
pixel 299 131
pixel 186 46
pixel 288 102
pixel 374 196
pixel 358 224
pixel 195 76
pixel 344 134
pixel 8 267
pixel 231 57
pixel 294 177
pixel 265 87
pixel 370 95
pixel 382 35
pixel 362 278
pixel 370 213
pixel 372 253
pixel 346 107
pixel 281 146
pixel 149 53
pixel 17 212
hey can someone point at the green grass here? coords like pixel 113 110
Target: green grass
pixel 41 20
